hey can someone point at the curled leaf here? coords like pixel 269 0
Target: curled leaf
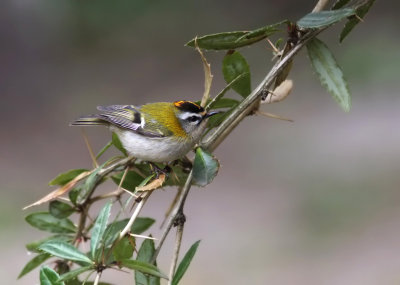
pixel 154 184
pixel 205 167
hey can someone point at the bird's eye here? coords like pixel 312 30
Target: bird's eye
pixel 193 119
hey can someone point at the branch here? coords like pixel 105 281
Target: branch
pixel 96 281
pixel 178 242
pixel 250 102
pixel 134 215
pixel 174 213
pixel 320 5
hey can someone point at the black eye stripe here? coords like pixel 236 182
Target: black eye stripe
pixel 193 118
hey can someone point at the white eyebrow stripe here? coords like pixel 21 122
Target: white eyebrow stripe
pixel 186 115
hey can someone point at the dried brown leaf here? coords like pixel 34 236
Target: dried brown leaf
pixel 154 184
pixel 279 93
pixel 60 191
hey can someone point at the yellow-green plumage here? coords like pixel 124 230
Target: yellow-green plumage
pixel 162 117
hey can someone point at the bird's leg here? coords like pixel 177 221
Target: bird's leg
pixel 157 170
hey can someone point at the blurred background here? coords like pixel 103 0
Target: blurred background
pixel 310 202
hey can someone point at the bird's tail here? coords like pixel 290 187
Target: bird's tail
pixel 90 120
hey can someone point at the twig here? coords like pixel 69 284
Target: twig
pixel 321 4
pixel 135 214
pixel 90 149
pixel 250 102
pixel 178 242
pixel 97 279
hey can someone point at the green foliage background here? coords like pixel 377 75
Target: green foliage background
pixel 310 201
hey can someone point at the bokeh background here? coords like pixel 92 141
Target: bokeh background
pixel 310 202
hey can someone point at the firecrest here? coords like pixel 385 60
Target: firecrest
pixel 154 132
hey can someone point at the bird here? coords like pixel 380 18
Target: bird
pixel 158 132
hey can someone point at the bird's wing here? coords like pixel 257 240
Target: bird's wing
pixel 123 116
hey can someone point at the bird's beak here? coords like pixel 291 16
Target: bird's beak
pixel 211 113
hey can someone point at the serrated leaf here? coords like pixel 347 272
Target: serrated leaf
pixel 184 265
pixel 145 254
pixel 60 210
pixel 99 228
pixel 205 167
pixel 131 180
pixel 33 246
pixel 46 222
pixel 33 263
pixel 49 277
pixel 234 40
pixel 64 250
pixel 339 4
pixel 324 18
pixel 361 11
pixel 329 73
pixel 64 178
pixel 75 273
pixel 117 143
pixel 143 267
pixel 140 225
pixel 123 249
pixel 234 65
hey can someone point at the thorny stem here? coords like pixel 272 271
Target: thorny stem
pixel 227 126
pixel 174 213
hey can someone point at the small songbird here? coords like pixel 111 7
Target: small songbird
pixel 154 132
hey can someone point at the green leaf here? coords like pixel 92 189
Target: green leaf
pixel 117 143
pixel 33 263
pixel 329 73
pixel 339 4
pixel 324 18
pixel 131 181
pixel 234 65
pixel 361 11
pixel 49 277
pixel 33 246
pixel 76 272
pixel 123 249
pixel 139 226
pixel 205 167
pixel 233 40
pixel 91 182
pixel 225 103
pixel 64 250
pixel 99 228
pixel 60 210
pixel 184 265
pixel 74 193
pixel 66 177
pixel 104 149
pixel 46 222
pixel 143 267
pixel 145 254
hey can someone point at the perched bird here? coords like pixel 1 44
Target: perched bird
pixel 154 132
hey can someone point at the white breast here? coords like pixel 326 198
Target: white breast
pixel 163 149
